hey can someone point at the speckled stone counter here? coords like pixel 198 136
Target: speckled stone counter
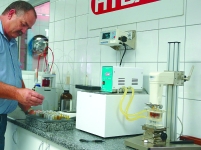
pixel 70 139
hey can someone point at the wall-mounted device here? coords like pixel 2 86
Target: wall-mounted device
pixel 114 78
pixel 115 39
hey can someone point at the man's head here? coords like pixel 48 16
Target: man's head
pixel 17 18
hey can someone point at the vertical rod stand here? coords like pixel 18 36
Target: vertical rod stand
pixel 171 93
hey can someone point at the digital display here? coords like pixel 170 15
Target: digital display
pixel 106 35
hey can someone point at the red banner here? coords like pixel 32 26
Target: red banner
pixel 105 6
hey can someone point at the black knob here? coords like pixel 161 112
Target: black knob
pixel 123 38
pixel 163 136
pixel 185 78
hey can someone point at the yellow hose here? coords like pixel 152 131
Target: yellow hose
pixel 130 117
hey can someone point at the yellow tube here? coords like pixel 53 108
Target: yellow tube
pixel 130 100
pixel 130 117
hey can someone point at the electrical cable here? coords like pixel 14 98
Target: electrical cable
pixel 37 68
pixel 45 63
pixel 52 58
pixel 181 127
pixel 59 76
pixel 123 53
pixel 145 90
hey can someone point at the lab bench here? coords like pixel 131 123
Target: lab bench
pixel 20 133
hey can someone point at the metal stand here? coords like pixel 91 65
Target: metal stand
pixel 138 143
pixel 171 93
pixel 171 115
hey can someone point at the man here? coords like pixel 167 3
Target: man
pixel 15 20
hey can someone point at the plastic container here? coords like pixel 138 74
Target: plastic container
pixel 154 118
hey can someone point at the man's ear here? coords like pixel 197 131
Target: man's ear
pixel 11 13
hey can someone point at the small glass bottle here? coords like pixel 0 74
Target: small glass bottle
pixel 46 82
pixel 66 100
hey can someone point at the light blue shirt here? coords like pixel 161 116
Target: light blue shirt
pixel 10 71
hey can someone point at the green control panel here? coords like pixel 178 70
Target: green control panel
pixel 107 78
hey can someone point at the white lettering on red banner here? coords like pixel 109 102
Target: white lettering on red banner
pixel 105 6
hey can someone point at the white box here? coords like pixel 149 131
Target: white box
pixel 50 101
pixel 99 114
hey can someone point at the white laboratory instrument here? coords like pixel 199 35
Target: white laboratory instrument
pixel 48 90
pixel 115 77
pixel 155 130
pixel 115 39
pixel 98 113
pixel 156 134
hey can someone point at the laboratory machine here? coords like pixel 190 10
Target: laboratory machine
pixel 48 90
pixel 160 132
pixel 109 112
pixel 118 39
pixel 38 46
pixel 114 77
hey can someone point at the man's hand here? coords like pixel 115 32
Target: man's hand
pixel 28 97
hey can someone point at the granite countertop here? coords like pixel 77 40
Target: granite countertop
pixel 70 139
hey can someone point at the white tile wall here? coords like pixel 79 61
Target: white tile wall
pixel 80 50
pixel 58 71
pixel 147 25
pixel 70 9
pixel 58 30
pixel 59 10
pixel 192 88
pixel 94 74
pixel 81 27
pixel 69 51
pixel 192 118
pixel 151 50
pixel 69 29
pixel 147 46
pixel 80 73
pixel 93 50
pixel 127 27
pixel 108 54
pixel 58 52
pixel 193 12
pixel 51 32
pixel 94 33
pixel 173 21
pixel 193 37
pixel 52 11
pixel 82 7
